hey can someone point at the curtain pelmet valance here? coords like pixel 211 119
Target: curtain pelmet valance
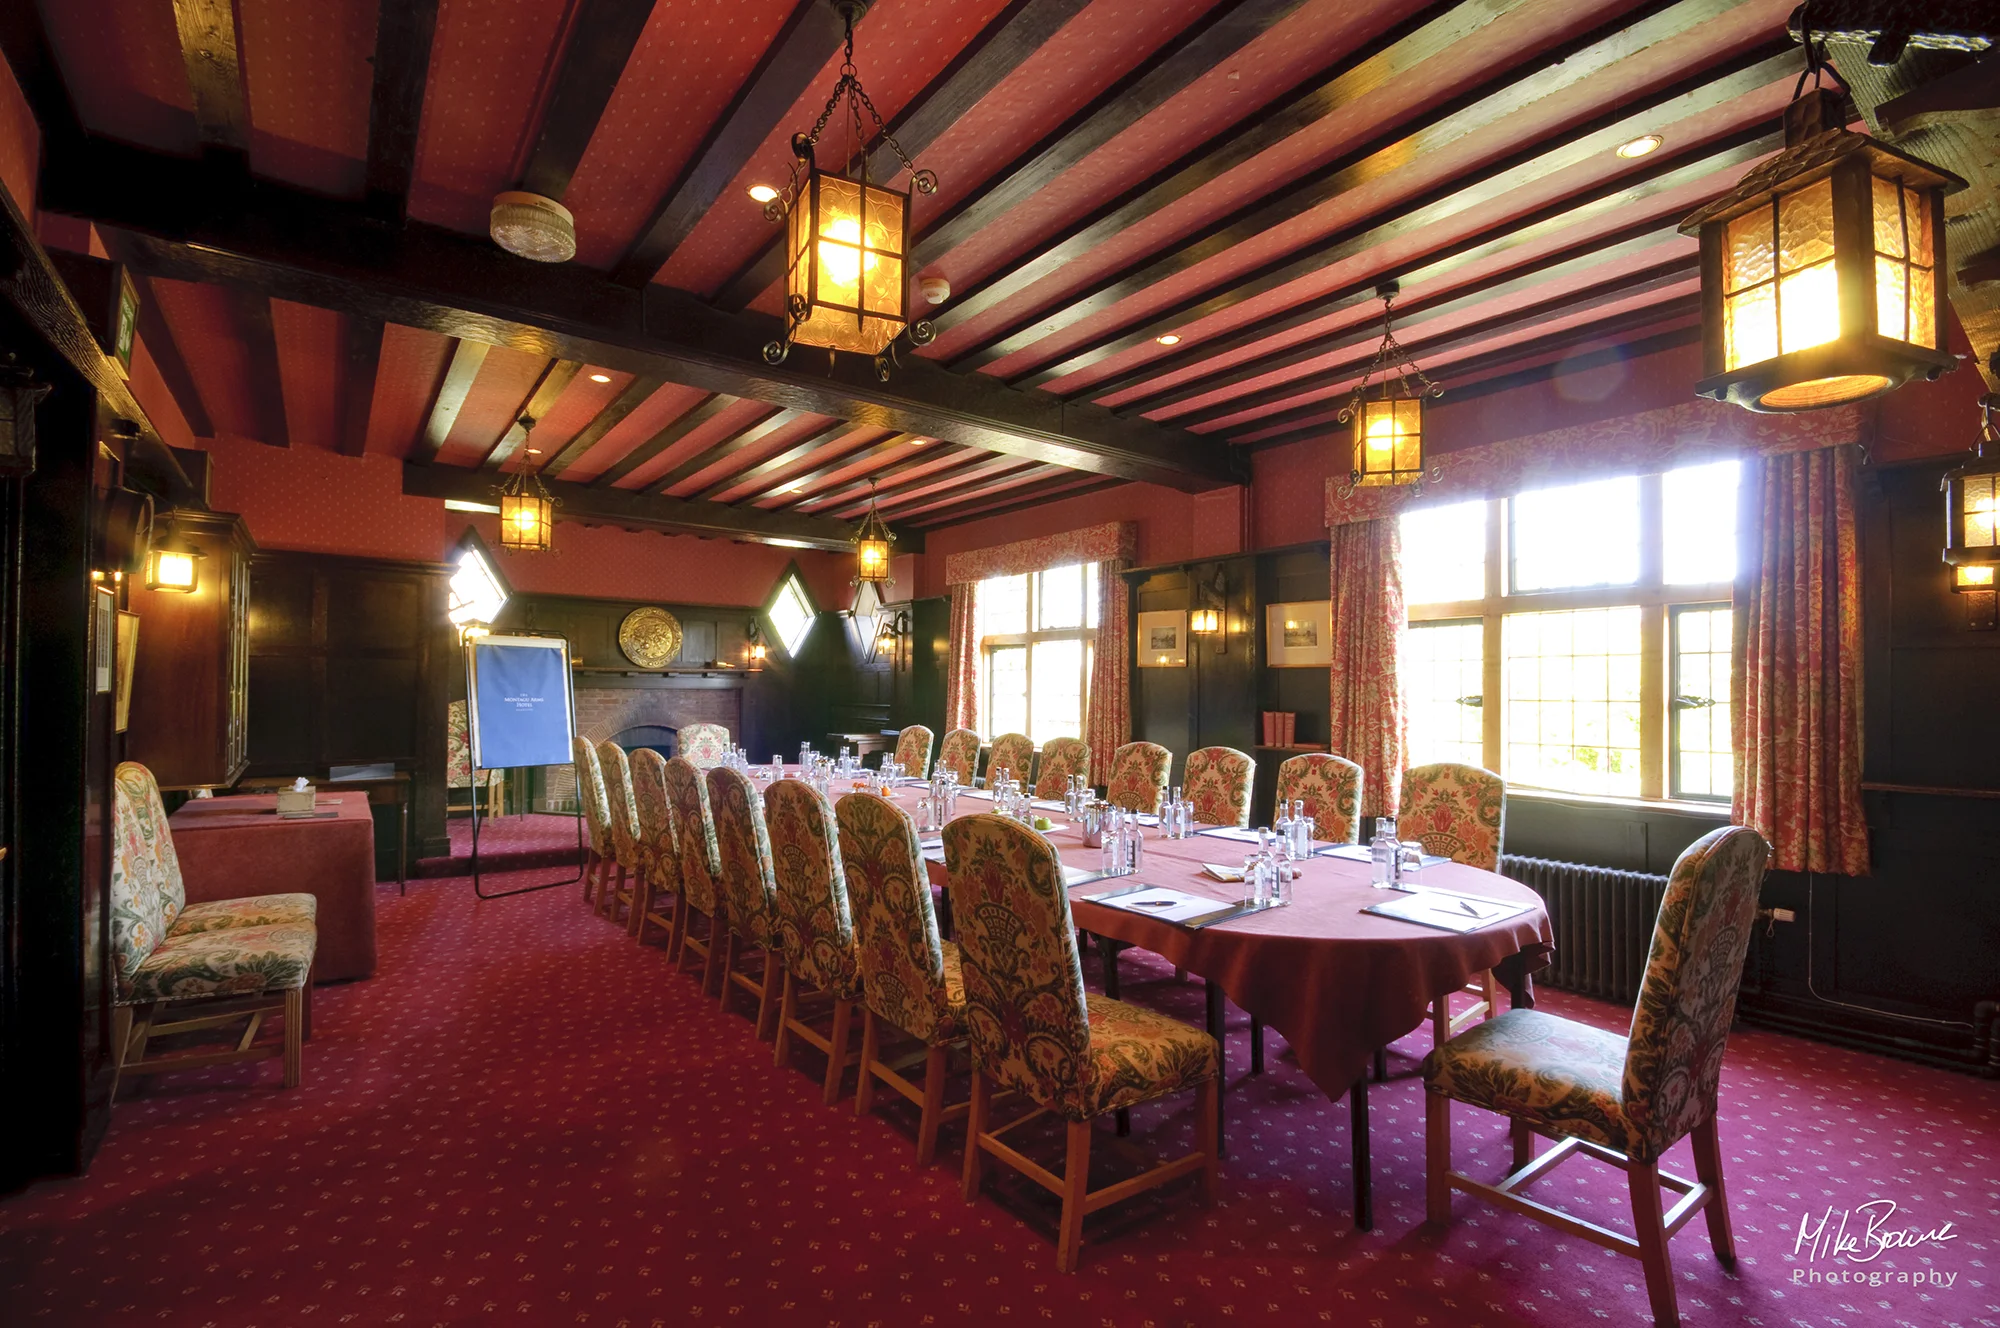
pixel 1093 544
pixel 1688 433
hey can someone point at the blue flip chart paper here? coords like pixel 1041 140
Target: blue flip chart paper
pixel 521 705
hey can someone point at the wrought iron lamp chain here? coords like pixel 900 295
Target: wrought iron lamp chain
pixel 1389 353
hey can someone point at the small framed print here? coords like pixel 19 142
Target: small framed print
pixel 1162 640
pixel 1299 636
pixel 128 654
pixel 103 631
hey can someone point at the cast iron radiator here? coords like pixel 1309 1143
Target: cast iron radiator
pixel 1602 919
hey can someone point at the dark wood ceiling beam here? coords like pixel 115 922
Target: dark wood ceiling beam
pixel 360 359
pixel 453 387
pixel 600 42
pixel 1455 120
pixel 715 491
pixel 251 312
pixel 623 507
pixel 215 75
pixel 607 419
pixel 847 490
pixel 1626 286
pixel 1395 51
pixel 755 432
pixel 1623 352
pixel 989 488
pixel 810 37
pixel 403 32
pixel 932 520
pixel 775 465
pixel 794 489
pixel 550 384
pixel 1011 37
pixel 676 429
pixel 983 480
pixel 973 469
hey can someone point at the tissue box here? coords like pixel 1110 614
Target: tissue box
pixel 295 802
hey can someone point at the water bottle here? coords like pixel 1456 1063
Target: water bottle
pixel 1282 827
pixel 1382 852
pixel 1111 847
pixel 1256 881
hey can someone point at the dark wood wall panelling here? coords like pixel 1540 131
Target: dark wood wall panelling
pixel 349 665
pixel 189 720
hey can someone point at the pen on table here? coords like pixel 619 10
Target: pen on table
pixel 1470 909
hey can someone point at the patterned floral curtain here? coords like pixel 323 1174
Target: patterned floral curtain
pixel 1796 666
pixel 961 675
pixel 1109 724
pixel 1365 718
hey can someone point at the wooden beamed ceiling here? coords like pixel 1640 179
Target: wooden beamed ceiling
pixel 1234 178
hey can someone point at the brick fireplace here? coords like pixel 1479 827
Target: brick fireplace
pixel 607 708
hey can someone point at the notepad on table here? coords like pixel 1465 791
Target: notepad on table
pixel 1232 832
pixel 1446 912
pixel 1227 875
pixel 1157 901
pixel 1362 853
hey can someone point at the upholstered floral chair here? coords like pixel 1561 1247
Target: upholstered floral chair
pixel 458 771
pixel 748 886
pixel 910 979
pixel 659 849
pixel 1217 781
pixel 1015 752
pixel 704 745
pixel 1035 1031
pixel 1139 777
pixel 1457 812
pixel 1622 1100
pixel 687 790
pixel 913 750
pixel 258 951
pixel 595 808
pixel 958 753
pixel 1061 758
pixel 626 845
pixel 1330 787
pixel 815 932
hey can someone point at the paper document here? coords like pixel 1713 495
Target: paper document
pixel 1446 912
pixel 1231 832
pixel 1159 902
pixel 1362 853
pixel 1227 875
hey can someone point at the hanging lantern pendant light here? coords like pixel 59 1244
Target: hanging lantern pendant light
pixel 1972 508
pixel 527 512
pixel 871 547
pixel 847 238
pixel 1389 422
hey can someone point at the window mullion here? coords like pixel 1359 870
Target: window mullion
pixel 1653 708
pixel 1492 702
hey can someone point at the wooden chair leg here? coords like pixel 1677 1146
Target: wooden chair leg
pixel 788 1006
pixel 726 945
pixel 295 1028
pixel 1650 1223
pixel 836 1059
pixel 1381 1065
pixel 767 1004
pixel 589 875
pixel 1708 1170
pixel 1441 1020
pixel 1076 1187
pixel 864 1089
pixel 1489 987
pixel 677 935
pixel 1256 1045
pixel 121 1033
pixel 975 1125
pixel 936 1068
pixel 642 900
pixel 1524 1144
pixel 1208 1098
pixel 1437 1158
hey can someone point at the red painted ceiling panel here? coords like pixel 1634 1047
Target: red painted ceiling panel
pixel 204 330
pixel 655 413
pixel 20 144
pixel 688 65
pixel 898 49
pixel 836 496
pixel 725 424
pixel 308 68
pixel 772 444
pixel 122 64
pixel 506 377
pixel 575 408
pixel 861 467
pixel 776 482
pixel 489 60
pixel 406 378
pixel 308 369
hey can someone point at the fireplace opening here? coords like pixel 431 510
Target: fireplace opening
pixel 658 737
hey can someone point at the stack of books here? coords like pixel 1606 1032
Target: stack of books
pixel 1280 728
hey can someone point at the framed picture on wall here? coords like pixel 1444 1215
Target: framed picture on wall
pixel 1299 636
pixel 127 652
pixel 1162 640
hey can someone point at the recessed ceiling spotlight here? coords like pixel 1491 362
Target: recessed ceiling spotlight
pixel 534 451
pixel 600 378
pixel 763 193
pixel 1640 146
pixel 795 486
pixel 1170 339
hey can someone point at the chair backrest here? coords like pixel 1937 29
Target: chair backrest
pixel 618 801
pixel 1455 811
pixel 1029 1024
pixel 743 848
pixel 688 792
pixel 895 924
pixel 704 745
pixel 590 796
pixel 958 753
pixel 1688 997
pixel 1217 781
pixel 913 750
pixel 659 830
pixel 1330 787
pixel 137 923
pixel 815 930
pixel 1139 776
pixel 1061 758
pixel 138 781
pixel 1015 752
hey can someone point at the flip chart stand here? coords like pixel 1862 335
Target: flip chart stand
pixel 520 707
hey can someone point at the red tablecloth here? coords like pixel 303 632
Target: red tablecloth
pixel 237 846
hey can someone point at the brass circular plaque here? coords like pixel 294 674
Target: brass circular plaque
pixel 650 637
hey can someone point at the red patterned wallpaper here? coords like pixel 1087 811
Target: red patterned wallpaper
pixel 1165 519
pixel 20 144
pixel 322 502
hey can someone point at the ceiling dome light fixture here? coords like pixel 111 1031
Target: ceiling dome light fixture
pixel 527 512
pixel 1389 423
pixel 1640 146
pixel 1822 271
pixel 847 237
pixel 600 378
pixel 1169 338
pixel 533 227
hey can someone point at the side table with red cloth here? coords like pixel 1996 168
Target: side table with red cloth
pixel 237 846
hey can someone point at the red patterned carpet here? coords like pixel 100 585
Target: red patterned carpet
pixel 527 1118
pixel 506 843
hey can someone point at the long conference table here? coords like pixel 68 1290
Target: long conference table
pixel 1339 984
